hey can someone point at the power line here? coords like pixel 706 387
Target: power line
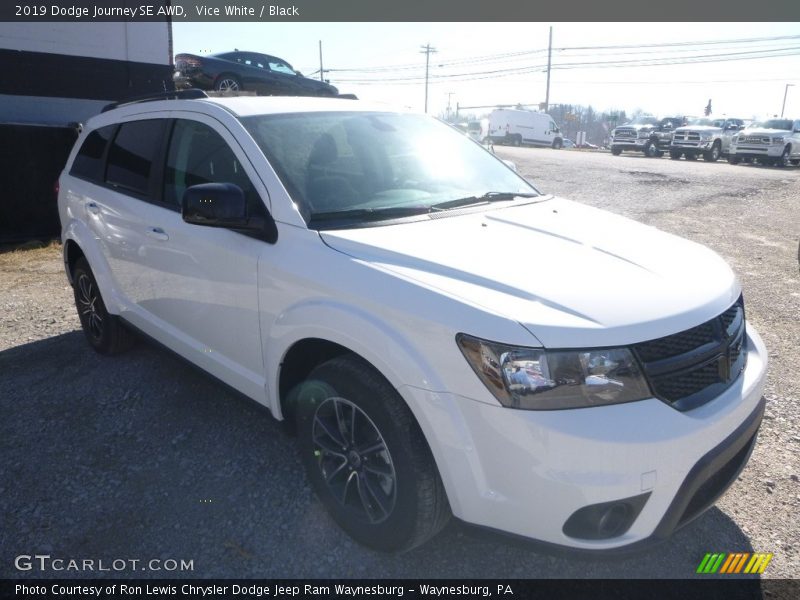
pixel 668 61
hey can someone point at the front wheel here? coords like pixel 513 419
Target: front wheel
pixel 104 331
pixel 675 155
pixel 366 457
pixel 734 160
pixel 616 151
pixel 558 143
pixel 690 156
pixel 650 149
pixel 713 154
pixel 783 160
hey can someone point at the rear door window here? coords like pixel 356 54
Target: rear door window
pixel 132 154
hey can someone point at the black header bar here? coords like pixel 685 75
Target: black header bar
pixel 398 10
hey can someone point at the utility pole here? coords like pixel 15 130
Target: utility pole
pixel 549 55
pixel 427 50
pixel 449 95
pixel 321 70
pixel 785 91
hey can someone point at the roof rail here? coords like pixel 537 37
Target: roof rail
pixel 190 94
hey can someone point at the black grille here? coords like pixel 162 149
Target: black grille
pixel 674 345
pixel 690 368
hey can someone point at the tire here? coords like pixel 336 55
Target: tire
pixel 616 151
pixel 348 415
pixel 690 156
pixel 650 149
pixel 783 160
pixel 734 160
pixel 517 140
pixel 795 161
pixel 227 83
pixel 558 143
pixel 675 155
pixel 104 331
pixel 713 154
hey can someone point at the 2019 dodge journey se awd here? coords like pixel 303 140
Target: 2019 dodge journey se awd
pixel 447 339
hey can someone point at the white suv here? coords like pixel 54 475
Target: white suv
pixel 447 339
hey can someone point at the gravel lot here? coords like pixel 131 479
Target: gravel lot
pixel 143 457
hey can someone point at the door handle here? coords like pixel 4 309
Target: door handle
pixel 157 234
pixel 93 208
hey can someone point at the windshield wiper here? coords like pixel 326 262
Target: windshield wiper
pixel 370 214
pixel 484 199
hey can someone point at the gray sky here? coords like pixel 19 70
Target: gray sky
pixel 503 63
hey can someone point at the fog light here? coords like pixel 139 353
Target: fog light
pixel 606 520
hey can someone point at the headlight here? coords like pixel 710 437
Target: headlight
pixel 735 139
pixel 538 379
pixel 777 140
pixel 705 136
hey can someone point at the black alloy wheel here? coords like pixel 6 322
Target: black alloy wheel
pixel 366 457
pixel 104 332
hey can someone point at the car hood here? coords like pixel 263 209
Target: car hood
pixel 762 131
pixel 698 128
pixel 571 274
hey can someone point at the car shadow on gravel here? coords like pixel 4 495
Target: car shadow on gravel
pixel 143 457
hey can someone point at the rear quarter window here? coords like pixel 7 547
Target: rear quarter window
pixel 88 163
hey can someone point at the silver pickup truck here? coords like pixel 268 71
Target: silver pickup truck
pixel 705 136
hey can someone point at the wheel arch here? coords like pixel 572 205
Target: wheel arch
pixel 79 241
pixel 316 330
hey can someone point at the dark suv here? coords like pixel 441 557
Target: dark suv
pixel 234 71
pixel 646 134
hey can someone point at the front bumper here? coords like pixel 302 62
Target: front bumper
pixel 630 143
pixel 754 151
pixel 697 146
pixel 527 472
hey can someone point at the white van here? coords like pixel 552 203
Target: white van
pixel 517 127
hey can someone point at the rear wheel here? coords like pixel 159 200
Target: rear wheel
pixel 366 457
pixel 650 149
pixel 104 331
pixel 227 83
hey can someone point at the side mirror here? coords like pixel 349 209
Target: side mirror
pixel 298 73
pixel 224 205
pixel 215 205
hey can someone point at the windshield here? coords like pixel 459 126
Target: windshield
pixel 345 167
pixel 773 124
pixel 708 122
pixel 644 121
